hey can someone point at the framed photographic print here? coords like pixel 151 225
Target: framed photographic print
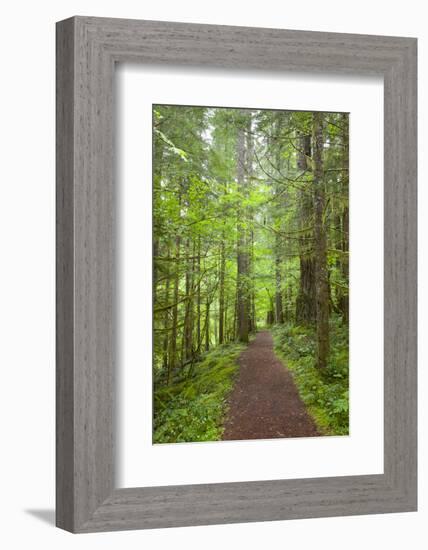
pixel 236 274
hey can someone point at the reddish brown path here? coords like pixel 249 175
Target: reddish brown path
pixel 264 402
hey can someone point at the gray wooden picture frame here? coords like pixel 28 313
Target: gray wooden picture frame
pixel 87 50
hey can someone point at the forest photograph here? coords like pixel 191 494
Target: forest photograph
pixel 250 274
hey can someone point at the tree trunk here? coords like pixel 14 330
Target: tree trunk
pixel 321 271
pixel 221 313
pixel 305 300
pixel 279 313
pixel 226 319
pixel 344 302
pixel 242 245
pixel 189 313
pixel 198 299
pixel 165 321
pixel 278 215
pixel 173 343
pixel 207 325
pixel 249 231
pixel 155 268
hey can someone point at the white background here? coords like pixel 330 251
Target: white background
pixel 362 451
pixel 27 286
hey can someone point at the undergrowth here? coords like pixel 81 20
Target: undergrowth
pixel 193 407
pixel 326 394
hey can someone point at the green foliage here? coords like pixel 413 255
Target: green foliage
pixel 233 220
pixel 326 393
pixel 182 154
pixel 193 407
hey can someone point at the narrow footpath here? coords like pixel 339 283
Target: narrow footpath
pixel 264 402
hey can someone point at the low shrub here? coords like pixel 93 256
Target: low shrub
pixel 194 406
pixel 326 393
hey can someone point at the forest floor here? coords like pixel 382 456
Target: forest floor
pixel 264 402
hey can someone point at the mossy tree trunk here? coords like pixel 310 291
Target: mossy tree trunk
pixel 320 245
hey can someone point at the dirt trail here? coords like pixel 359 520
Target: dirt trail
pixel 264 402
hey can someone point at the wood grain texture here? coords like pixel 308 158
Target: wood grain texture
pixel 87 49
pixel 64 276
